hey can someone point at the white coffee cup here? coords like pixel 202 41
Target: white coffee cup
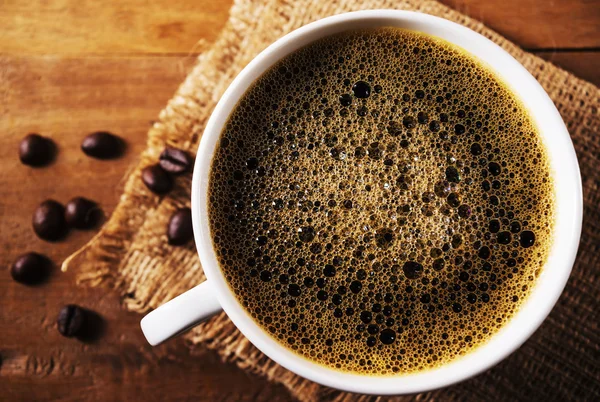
pixel 214 295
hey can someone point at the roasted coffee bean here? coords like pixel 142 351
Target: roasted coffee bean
pixel 30 268
pixel 81 213
pixel 49 220
pixel 175 161
pixel 35 150
pixel 70 321
pixel 180 229
pixel 156 179
pixel 102 145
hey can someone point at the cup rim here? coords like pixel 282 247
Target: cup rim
pixel 568 205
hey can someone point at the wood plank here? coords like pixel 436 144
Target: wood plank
pixel 585 65
pixel 175 26
pixel 38 364
pixel 125 26
pixel 535 24
pixel 65 98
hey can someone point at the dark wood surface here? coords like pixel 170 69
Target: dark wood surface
pixel 68 68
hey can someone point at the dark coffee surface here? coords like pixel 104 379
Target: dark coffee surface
pixel 380 202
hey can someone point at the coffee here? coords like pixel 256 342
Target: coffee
pixel 380 202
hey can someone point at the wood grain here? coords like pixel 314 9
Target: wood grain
pixel 125 26
pixel 175 26
pixel 584 64
pixel 535 24
pixel 40 365
pixel 68 68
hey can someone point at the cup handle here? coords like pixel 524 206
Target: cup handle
pixel 180 314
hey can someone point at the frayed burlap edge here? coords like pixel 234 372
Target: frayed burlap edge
pixel 131 254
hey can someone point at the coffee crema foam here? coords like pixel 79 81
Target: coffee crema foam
pixel 380 202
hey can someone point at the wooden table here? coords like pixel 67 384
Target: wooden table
pixel 71 67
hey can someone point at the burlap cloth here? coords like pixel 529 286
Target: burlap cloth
pixel 131 254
